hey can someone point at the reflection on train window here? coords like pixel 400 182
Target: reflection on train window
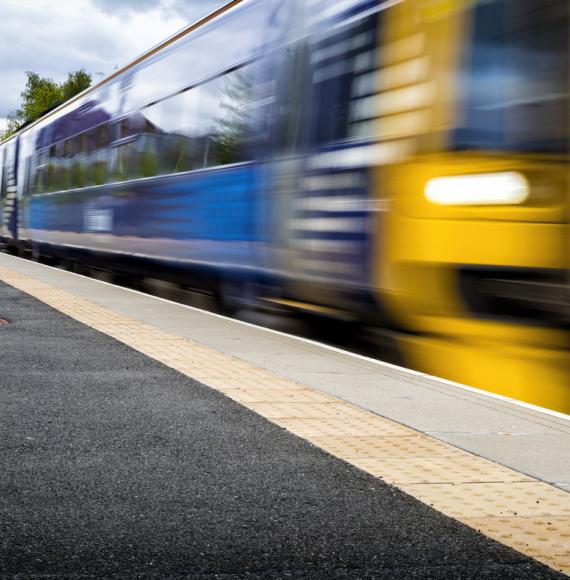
pixel 40 168
pixel 173 122
pixel 203 127
pixel 77 179
pixel 97 161
pixel 230 125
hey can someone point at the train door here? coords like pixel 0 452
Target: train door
pixel 2 172
pixel 329 224
pixel 8 193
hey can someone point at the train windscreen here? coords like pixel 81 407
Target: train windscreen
pixel 514 82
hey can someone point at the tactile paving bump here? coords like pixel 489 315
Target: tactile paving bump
pixel 329 410
pixel 453 469
pixel 277 396
pixel 499 500
pixel 538 536
pixel 370 426
pixel 258 381
pixel 412 445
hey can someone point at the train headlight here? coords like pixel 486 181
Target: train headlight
pixel 505 188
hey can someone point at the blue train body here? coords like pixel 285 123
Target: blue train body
pixel 228 155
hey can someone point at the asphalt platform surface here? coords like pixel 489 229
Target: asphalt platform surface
pixel 115 466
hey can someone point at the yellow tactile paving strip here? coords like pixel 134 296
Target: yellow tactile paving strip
pixel 530 516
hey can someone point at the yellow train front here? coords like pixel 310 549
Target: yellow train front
pixel 478 258
pixel 469 251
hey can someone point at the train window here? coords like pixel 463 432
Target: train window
pixel 343 71
pixel 150 136
pixel 515 78
pixel 26 175
pixel 234 119
pixel 31 175
pixel 125 157
pixel 88 143
pixel 224 113
pixel 177 116
pixel 77 163
pixel 93 142
pixel 288 115
pixel 194 148
pixel 41 170
pixel 147 149
pixel 102 136
pixel 49 181
pixel 2 172
pixel 202 127
pixel 116 155
pixel 63 165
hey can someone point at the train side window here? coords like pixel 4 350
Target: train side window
pixel 231 126
pixel 208 107
pixel 31 174
pixel 345 79
pixel 41 171
pixel 94 157
pixel 205 126
pixel 169 140
pixel 87 143
pixel 2 172
pixel 224 118
pixel 50 182
pixel 77 163
pixel 99 157
pixel 174 143
pixel 64 165
pixel 27 174
pixel 102 136
pixel 114 152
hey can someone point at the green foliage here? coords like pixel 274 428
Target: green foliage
pixel 76 82
pixel 42 94
pixel 39 95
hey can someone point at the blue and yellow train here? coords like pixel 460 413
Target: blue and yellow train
pixel 403 162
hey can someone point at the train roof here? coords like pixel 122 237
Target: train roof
pixel 150 52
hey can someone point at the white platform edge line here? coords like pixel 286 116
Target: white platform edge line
pixel 334 349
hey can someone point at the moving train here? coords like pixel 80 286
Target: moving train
pixel 400 162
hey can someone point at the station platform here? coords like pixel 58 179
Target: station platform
pixel 141 438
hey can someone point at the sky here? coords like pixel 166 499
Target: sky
pixel 55 37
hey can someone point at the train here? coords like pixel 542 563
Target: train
pixel 403 163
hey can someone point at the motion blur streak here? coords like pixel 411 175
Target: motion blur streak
pixel 403 164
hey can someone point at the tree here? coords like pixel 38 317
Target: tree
pixel 76 83
pixel 39 95
pixel 43 94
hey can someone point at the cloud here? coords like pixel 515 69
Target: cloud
pixel 114 7
pixel 188 9
pixel 67 35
